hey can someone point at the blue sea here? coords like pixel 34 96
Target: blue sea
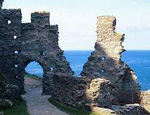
pixel 139 61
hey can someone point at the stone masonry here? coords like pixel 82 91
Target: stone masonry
pixel 105 62
pixel 22 43
pixel 106 80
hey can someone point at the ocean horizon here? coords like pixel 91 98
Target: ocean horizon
pixel 138 60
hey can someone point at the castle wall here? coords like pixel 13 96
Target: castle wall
pixel 22 43
pixel 40 44
pixel 10 26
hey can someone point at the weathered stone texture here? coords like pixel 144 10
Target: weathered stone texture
pixel 100 92
pixel 9 91
pixel 10 23
pixel 69 90
pixel 3 84
pixel 107 80
pixel 43 48
pixel 145 100
pixel 22 43
pixel 130 109
pixel 105 62
pixel 103 111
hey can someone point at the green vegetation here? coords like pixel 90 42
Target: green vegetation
pixel 70 110
pixel 33 76
pixel 3 82
pixel 19 108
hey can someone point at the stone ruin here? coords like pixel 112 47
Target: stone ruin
pixel 105 62
pixel 22 43
pixel 105 80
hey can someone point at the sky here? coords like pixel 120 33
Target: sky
pixel 77 20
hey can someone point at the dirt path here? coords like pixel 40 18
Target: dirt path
pixel 38 104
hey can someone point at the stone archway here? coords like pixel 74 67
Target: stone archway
pixel 27 63
pixel 47 78
pixel 35 69
pixel 48 72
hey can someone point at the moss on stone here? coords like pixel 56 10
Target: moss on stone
pixel 19 108
pixel 3 82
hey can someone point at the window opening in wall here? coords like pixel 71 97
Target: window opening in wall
pixel 102 71
pixel 9 21
pixel 16 52
pixel 43 53
pixel 15 37
pixel 16 65
pixel 102 58
pixel 52 69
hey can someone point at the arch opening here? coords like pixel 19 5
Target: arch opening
pixel 34 68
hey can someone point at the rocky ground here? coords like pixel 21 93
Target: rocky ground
pixel 38 104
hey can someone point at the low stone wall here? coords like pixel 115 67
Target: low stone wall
pixel 84 91
pixel 130 109
pixel 69 90
pixel 96 94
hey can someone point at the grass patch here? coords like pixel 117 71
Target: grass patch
pixel 70 110
pixel 34 77
pixel 19 108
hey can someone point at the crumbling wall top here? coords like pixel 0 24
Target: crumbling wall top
pixel 105 23
pixel 40 19
pixel 108 40
pixel 1 3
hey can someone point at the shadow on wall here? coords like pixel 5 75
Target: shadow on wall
pixel 106 80
pixel 105 62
